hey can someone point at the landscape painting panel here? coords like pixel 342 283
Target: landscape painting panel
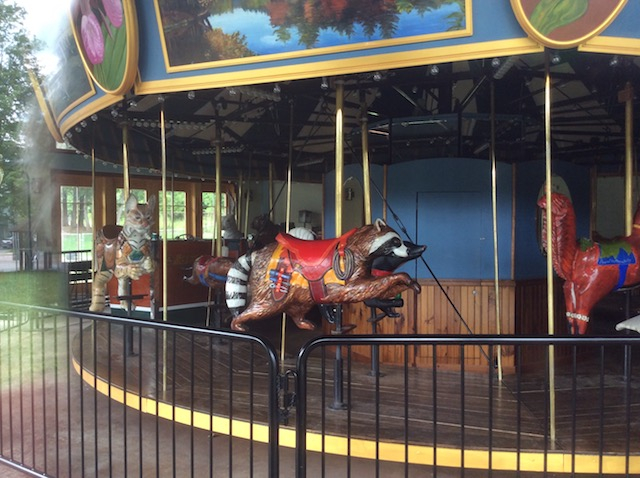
pixel 203 31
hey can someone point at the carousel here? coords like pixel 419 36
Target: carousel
pixel 375 169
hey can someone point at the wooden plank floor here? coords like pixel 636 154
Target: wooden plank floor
pixel 471 411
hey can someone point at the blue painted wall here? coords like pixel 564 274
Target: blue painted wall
pixel 446 204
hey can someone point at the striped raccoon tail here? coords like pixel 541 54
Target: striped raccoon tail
pixel 236 285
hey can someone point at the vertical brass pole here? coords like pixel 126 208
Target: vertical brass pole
pixel 246 204
pixel 238 211
pixel 366 171
pixel 628 158
pixel 93 206
pixel 494 208
pixel 163 141
pixel 385 175
pixel 125 160
pixel 218 204
pixel 165 308
pixel 550 301
pixel 289 170
pixel 271 190
pixel 339 154
pixel 283 331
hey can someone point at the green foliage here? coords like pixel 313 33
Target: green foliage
pixel 17 57
pixel 43 288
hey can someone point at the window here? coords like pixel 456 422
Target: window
pixel 209 211
pixel 76 217
pixel 140 194
pixel 176 214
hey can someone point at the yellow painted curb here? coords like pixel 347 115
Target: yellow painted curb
pixel 556 462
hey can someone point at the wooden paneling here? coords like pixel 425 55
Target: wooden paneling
pixel 430 312
pixel 531 318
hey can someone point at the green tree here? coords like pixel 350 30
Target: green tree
pixel 17 57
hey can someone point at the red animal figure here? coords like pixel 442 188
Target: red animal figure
pixel 590 269
pixel 292 275
pixel 210 271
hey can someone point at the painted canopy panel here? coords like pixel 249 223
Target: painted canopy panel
pixel 106 34
pixel 197 35
pixel 565 23
pixel 270 42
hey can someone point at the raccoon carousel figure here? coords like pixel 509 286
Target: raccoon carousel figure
pixel 292 275
pixel 124 251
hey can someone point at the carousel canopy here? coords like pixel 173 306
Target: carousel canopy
pixel 260 82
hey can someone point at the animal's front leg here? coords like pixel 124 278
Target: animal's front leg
pixel 298 312
pixel 369 287
pixel 123 291
pixel 100 280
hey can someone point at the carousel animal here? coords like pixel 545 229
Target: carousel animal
pixel 591 270
pixel 210 271
pixel 266 231
pixel 291 275
pixel 124 251
pixel 230 229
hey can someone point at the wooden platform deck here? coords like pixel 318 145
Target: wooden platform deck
pixel 405 405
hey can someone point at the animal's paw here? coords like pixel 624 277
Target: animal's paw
pixel 415 286
pixel 135 272
pixel 305 324
pixel 235 325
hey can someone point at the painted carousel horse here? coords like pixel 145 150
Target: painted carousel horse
pixel 291 275
pixel 124 251
pixel 591 270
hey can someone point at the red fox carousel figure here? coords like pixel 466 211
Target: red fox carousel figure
pixel 292 275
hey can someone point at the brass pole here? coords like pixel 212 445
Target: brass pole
pixel 366 171
pixel 218 204
pixel 494 207
pixel 93 205
pixel 271 190
pixel 125 160
pixel 163 141
pixel 283 331
pixel 289 171
pixel 385 176
pixel 628 158
pixel 550 301
pixel 238 211
pixel 165 308
pixel 246 204
pixel 339 154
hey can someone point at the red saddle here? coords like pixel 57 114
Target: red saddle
pixel 313 253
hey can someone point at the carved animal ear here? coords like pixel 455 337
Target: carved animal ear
pixel 131 203
pixel 379 223
pixel 151 203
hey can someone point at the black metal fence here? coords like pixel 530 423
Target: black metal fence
pixel 91 395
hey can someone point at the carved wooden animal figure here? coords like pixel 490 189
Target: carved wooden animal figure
pixel 590 270
pixel 291 275
pixel 210 271
pixel 230 228
pixel 266 231
pixel 123 251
